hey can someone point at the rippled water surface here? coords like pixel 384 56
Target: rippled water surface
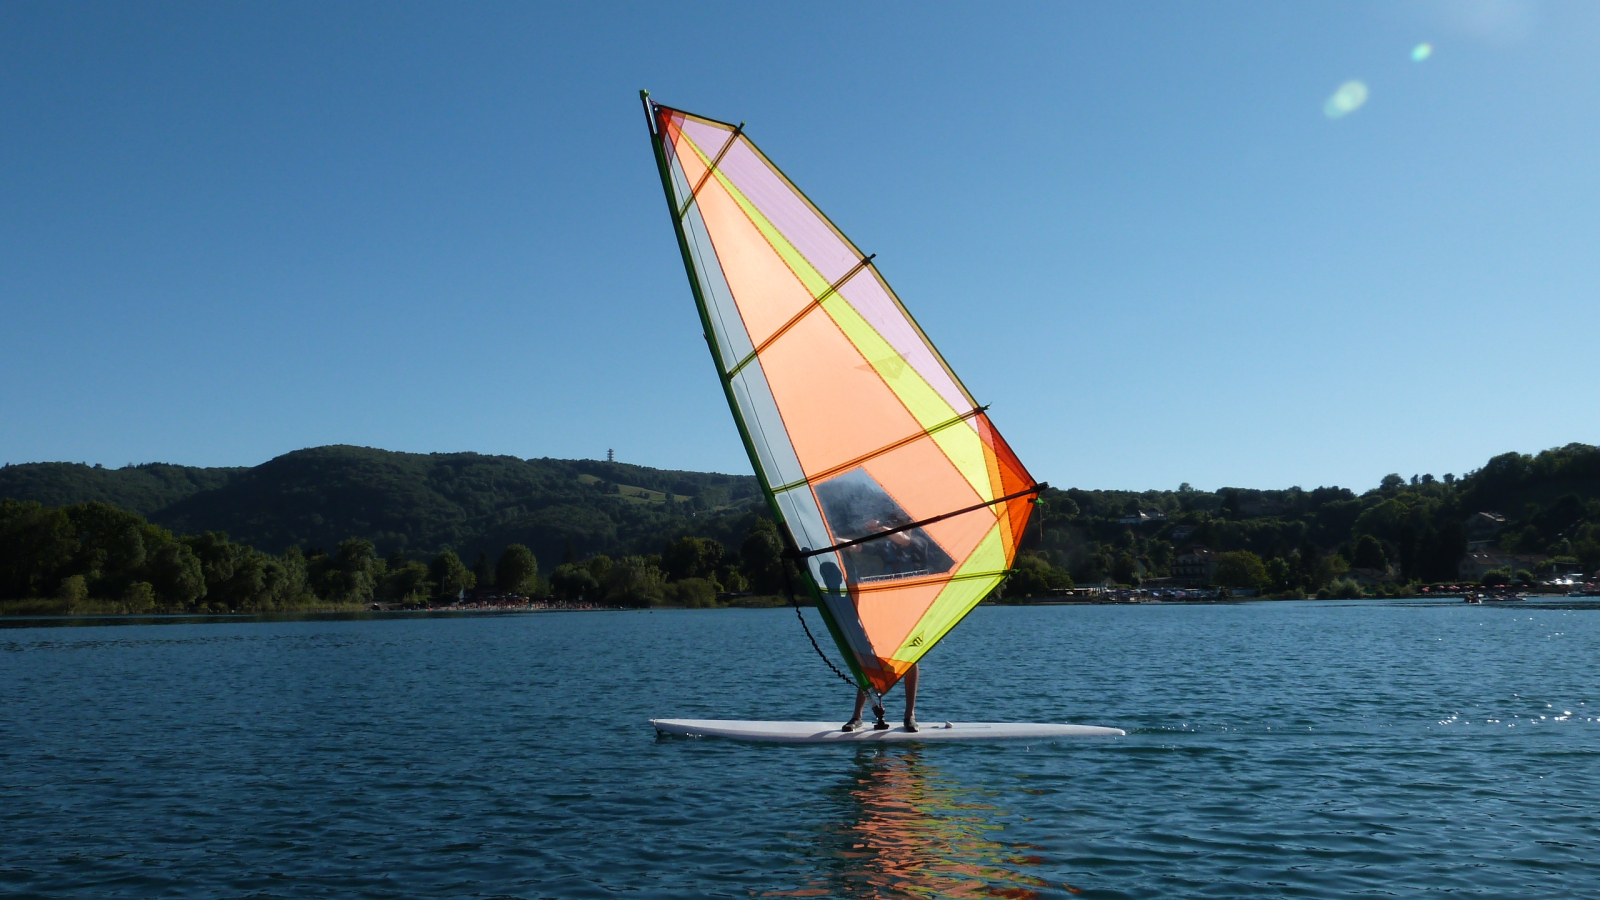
pixel 1275 749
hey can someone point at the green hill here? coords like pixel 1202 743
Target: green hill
pixel 1284 541
pixel 1414 530
pixel 143 489
pixel 413 502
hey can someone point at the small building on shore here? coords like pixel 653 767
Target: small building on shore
pixel 1480 561
pixel 1483 526
pixel 1194 566
pixel 1373 577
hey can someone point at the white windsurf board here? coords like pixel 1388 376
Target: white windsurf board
pixel 828 732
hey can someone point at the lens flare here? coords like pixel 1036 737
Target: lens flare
pixel 1421 51
pixel 1346 100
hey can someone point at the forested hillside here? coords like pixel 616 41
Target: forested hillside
pixel 143 489
pixel 350 525
pixel 1407 530
pixel 412 502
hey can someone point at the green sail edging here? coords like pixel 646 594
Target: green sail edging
pixel 727 388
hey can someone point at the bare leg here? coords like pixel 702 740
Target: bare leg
pixel 912 675
pixel 855 717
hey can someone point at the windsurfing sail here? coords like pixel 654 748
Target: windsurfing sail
pixel 897 494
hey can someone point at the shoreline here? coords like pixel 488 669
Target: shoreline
pixel 526 609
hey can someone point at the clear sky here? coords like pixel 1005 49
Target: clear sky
pixel 228 231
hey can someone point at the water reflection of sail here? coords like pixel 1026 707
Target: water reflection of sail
pixel 909 831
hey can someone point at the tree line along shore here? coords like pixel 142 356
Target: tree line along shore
pixel 92 558
pixel 634 536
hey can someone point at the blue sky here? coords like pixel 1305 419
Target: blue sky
pixel 228 231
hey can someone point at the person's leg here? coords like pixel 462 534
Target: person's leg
pixel 911 697
pixel 855 717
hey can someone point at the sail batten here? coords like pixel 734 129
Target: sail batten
pixel 804 311
pixel 829 473
pixel 712 168
pixel 863 439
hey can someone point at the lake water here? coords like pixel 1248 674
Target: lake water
pixel 1276 749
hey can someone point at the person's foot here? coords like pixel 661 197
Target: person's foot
pixel 911 722
pixel 851 725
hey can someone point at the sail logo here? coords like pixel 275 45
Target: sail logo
pixel 892 367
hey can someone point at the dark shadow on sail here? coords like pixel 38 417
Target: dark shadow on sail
pixel 907 830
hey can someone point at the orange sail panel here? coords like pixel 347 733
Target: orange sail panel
pixel 855 424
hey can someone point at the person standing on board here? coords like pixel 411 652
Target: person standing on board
pixel 911 705
pixel 836 580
